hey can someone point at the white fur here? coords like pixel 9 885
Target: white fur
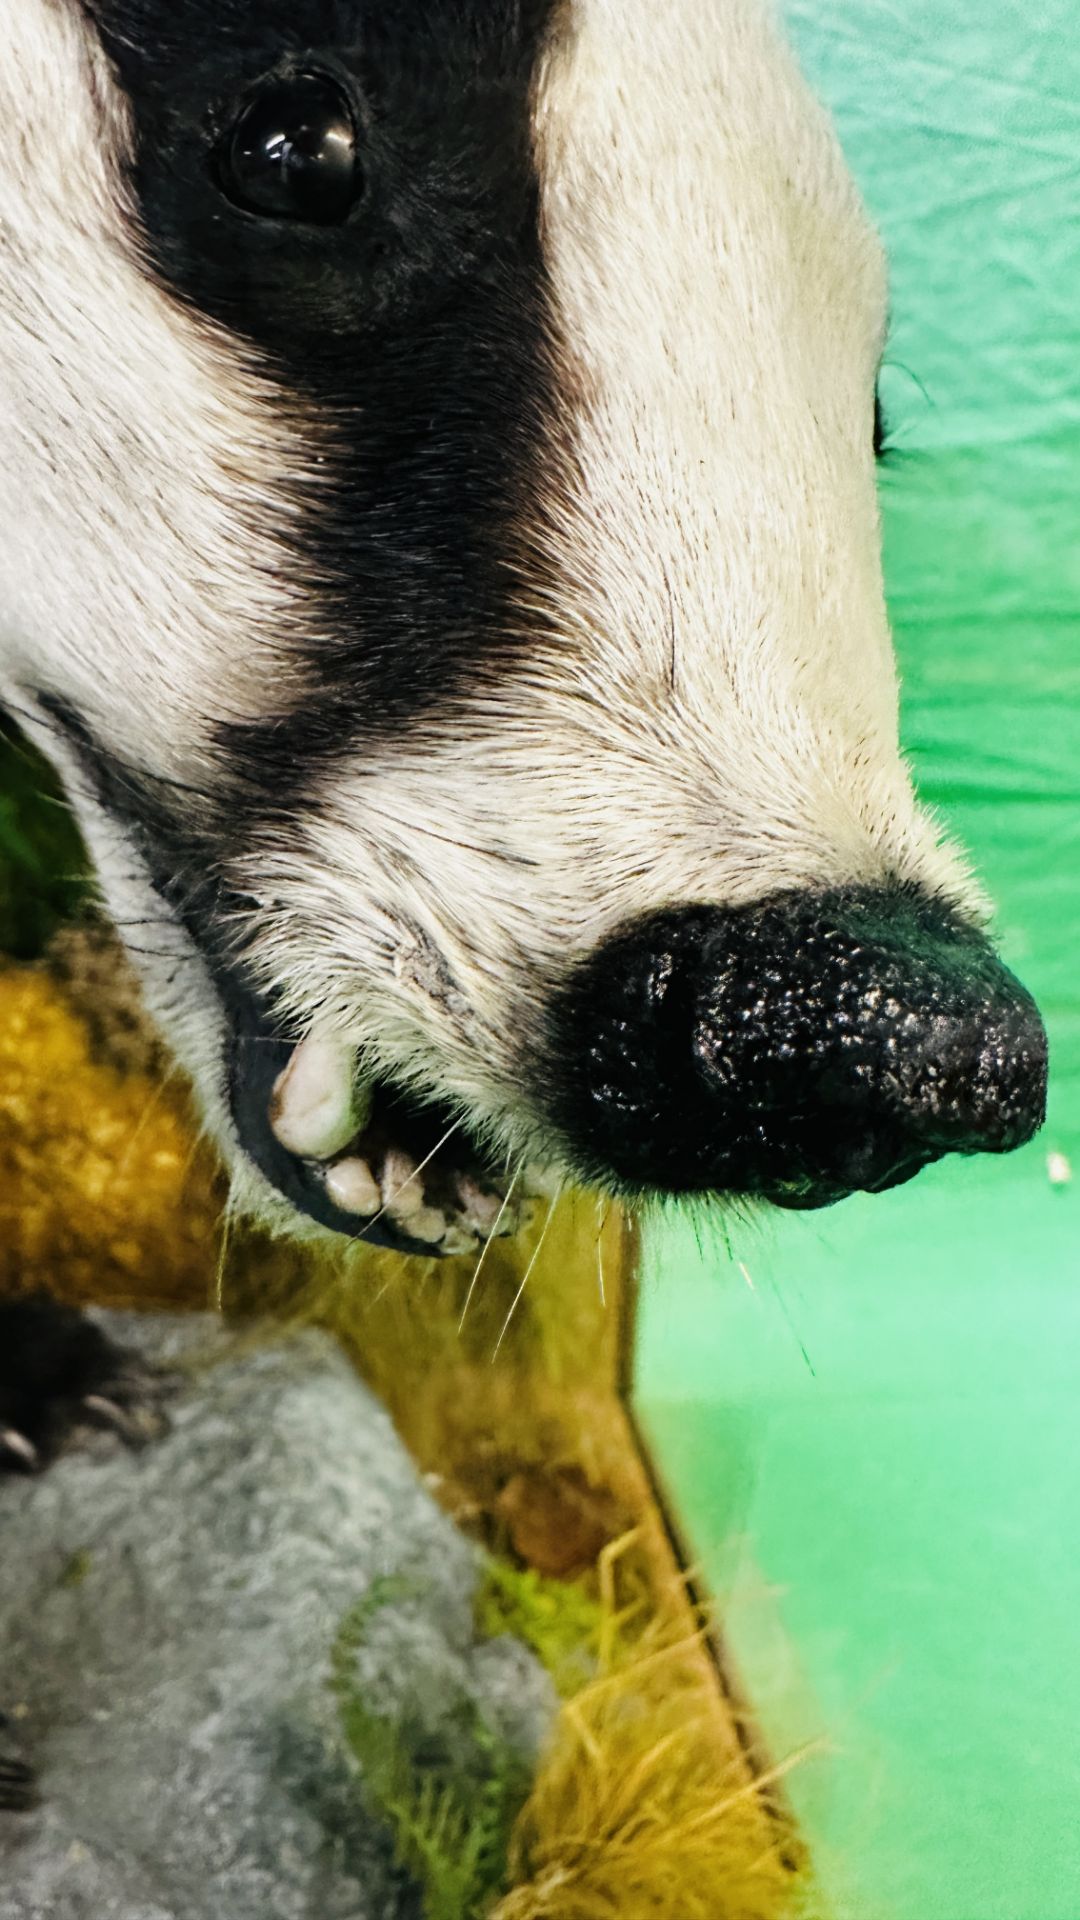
pixel 717 716
pixel 706 709
pixel 142 575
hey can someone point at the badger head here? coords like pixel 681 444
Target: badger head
pixel 440 549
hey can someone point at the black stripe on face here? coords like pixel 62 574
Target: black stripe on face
pixel 172 828
pixel 416 332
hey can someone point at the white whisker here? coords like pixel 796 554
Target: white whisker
pixel 600 1253
pixel 484 1252
pixel 520 1294
pixel 437 1148
pixel 228 1218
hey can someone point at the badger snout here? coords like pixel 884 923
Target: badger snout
pixel 797 1050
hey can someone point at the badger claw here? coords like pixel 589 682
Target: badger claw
pixel 62 1381
pixel 137 1422
pixel 20 1451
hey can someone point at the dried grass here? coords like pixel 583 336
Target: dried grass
pixel 641 1809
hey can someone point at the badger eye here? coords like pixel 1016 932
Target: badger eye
pixel 292 153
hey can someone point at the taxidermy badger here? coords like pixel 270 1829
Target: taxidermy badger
pixel 440 552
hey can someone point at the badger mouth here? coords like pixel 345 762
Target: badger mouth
pixel 362 1157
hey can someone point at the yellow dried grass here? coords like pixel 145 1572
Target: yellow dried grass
pixel 642 1809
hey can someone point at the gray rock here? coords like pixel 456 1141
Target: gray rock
pixel 166 1624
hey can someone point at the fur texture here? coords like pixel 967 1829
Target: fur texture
pixel 618 567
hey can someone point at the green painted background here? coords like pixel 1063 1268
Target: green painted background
pixel 869 1420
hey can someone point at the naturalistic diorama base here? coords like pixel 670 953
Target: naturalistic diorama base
pixel 505 1385
pixel 243 1691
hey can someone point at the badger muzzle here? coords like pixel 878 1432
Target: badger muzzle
pixel 796 1050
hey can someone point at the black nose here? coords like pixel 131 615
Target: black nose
pixel 799 1049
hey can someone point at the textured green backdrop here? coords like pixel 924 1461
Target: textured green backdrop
pixel 875 1446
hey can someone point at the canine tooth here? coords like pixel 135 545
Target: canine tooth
pixel 353 1187
pixel 315 1109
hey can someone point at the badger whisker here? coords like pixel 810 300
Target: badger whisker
pixel 150 1108
pixel 228 1218
pixel 600 1251
pixel 486 1249
pixel 526 1277
pixel 163 953
pixel 450 840
pixel 415 1175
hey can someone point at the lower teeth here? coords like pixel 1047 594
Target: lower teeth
pixel 480 1210
pixel 321 1113
pixel 352 1187
pixel 426 1224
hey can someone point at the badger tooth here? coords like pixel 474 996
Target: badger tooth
pixel 458 1239
pixel 353 1187
pixel 427 1224
pixel 402 1189
pixel 316 1107
pixel 406 1202
pixel 481 1210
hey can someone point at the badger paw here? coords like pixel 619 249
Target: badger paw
pixel 64 1383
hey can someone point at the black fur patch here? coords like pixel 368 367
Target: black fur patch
pixel 417 332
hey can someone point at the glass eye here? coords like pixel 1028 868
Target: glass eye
pixel 292 153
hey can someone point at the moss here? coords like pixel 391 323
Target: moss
pixel 452 1834
pixel 558 1619
pixel 637 1812
pixel 105 1194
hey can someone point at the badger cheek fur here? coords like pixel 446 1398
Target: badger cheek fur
pixel 437 587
